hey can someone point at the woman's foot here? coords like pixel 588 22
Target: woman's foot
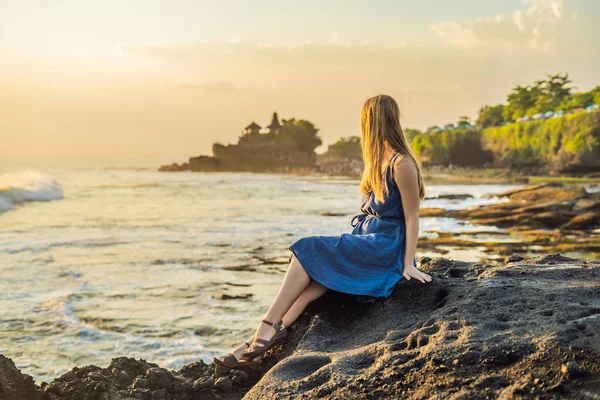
pixel 238 352
pixel 264 332
pixel 410 271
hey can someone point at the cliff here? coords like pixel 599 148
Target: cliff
pixel 521 328
pixel 569 144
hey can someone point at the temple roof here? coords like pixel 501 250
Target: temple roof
pixel 253 125
pixel 274 122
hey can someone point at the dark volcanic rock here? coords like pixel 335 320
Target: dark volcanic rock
pixel 528 328
pixel 544 218
pixel 16 386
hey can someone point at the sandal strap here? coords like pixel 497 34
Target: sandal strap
pixel 278 326
pixel 264 342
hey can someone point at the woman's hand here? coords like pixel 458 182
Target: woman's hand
pixel 410 271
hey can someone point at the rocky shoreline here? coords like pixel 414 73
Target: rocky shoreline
pixel 527 328
pixel 546 218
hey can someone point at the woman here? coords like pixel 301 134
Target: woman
pixel 367 262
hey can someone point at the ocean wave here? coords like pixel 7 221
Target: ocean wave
pixel 20 187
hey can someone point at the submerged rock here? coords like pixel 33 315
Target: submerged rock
pixel 524 328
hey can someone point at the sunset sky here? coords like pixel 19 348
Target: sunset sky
pixel 170 78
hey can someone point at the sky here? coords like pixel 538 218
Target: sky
pixel 147 78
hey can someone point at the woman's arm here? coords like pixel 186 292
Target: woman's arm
pixel 405 175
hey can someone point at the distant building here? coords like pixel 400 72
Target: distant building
pixel 275 126
pixel 253 129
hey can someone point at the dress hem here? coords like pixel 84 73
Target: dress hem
pixel 328 284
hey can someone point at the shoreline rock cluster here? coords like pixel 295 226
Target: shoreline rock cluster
pixel 550 217
pixel 527 328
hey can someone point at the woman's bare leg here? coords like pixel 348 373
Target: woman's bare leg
pixel 295 282
pixel 311 292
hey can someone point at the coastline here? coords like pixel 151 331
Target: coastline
pixel 464 337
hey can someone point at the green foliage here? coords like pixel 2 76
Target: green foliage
pixel 554 92
pixel 522 101
pixel 346 147
pixel 411 133
pixel 457 147
pixel 582 99
pixel 562 143
pixel 300 135
pixel 544 95
pixel 292 145
pixel 490 116
pixel 463 121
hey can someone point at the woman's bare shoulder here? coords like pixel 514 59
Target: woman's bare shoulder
pixel 404 168
pixel 403 161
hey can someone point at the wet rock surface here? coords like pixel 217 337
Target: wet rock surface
pixel 524 328
pixel 542 219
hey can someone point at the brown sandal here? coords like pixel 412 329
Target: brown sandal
pixel 231 362
pixel 280 337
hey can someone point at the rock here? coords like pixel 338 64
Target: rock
pixel 586 221
pixel 14 385
pixel 572 370
pixel 332 214
pixel 483 338
pixel 223 384
pixel 204 383
pixel 95 375
pixel 225 296
pixel 544 218
pixel 513 258
pixel 451 196
pixel 194 370
pixel 240 378
pixel 140 382
pixel 524 328
pixel 159 378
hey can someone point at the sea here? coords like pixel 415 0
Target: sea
pixel 106 259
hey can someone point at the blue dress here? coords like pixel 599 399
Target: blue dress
pixel 367 262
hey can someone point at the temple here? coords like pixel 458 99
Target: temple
pixel 273 128
pixel 253 129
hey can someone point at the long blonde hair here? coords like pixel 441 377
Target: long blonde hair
pixel 380 123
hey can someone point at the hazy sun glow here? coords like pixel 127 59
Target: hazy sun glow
pixel 171 78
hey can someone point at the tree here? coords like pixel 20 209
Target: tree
pixel 346 147
pixel 463 120
pixel 490 116
pixel 298 135
pixel 582 99
pixel 522 100
pixel 554 92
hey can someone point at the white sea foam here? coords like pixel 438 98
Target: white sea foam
pixel 20 187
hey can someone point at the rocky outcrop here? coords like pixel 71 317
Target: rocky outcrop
pixel 525 328
pixel 17 386
pixel 547 206
pixel 545 218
